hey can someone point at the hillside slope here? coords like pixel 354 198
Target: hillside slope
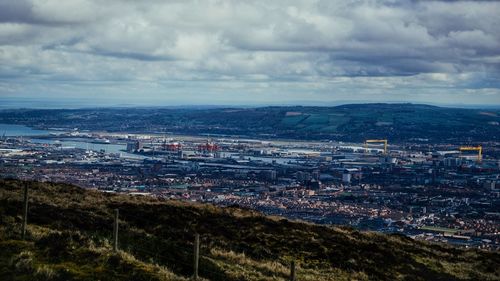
pixel 354 122
pixel 70 230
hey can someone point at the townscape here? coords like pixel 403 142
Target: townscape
pixel 443 192
pixel 249 140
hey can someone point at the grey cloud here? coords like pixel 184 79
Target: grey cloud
pixel 29 12
pixel 271 41
pixel 16 12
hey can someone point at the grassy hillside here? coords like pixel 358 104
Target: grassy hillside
pixel 355 122
pixel 70 230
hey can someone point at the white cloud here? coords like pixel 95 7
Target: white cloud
pixel 289 47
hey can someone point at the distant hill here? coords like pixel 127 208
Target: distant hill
pixel 70 229
pixel 352 122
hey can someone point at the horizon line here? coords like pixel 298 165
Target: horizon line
pixel 263 105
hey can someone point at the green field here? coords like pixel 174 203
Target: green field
pixel 352 122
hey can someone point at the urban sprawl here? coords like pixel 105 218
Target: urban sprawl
pixel 448 193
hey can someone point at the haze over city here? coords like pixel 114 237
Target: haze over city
pixel 71 53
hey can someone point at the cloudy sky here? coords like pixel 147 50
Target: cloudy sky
pixel 250 52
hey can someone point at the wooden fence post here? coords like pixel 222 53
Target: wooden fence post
pixel 115 232
pixel 292 271
pixel 196 255
pixel 25 211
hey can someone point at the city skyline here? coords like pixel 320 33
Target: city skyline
pixel 249 53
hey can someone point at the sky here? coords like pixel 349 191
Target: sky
pixel 127 52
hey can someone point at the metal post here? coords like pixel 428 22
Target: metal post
pixel 196 255
pixel 115 232
pixel 292 271
pixel 25 212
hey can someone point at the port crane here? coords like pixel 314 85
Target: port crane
pixel 376 141
pixel 478 148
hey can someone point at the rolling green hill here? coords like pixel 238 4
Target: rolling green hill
pixel 354 122
pixel 70 229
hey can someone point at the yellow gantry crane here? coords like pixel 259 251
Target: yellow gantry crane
pixel 376 141
pixel 478 148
